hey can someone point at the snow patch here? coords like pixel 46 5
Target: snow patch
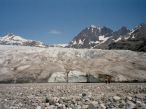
pixel 118 39
pixel 74 42
pixel 92 29
pixel 80 42
pixel 93 26
pixel 133 37
pixel 93 42
pixel 126 37
pixel 103 38
pixel 132 31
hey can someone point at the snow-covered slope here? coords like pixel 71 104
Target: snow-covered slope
pixel 34 64
pixel 12 39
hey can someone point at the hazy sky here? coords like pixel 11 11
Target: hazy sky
pixel 58 21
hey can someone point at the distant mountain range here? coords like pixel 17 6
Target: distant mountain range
pixel 93 37
pixel 11 39
pixel 106 38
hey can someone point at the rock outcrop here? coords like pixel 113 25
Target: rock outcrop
pixel 77 76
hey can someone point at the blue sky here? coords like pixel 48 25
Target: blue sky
pixel 58 21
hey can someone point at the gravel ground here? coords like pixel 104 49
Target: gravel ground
pixel 73 96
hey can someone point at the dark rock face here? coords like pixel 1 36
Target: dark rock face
pixel 106 31
pixel 105 38
pixel 136 40
pixel 122 31
pixel 90 36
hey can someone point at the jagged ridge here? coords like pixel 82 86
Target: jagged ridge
pixel 105 38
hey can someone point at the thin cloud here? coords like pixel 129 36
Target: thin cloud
pixel 55 32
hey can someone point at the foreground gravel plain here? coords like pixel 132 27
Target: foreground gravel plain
pixel 73 96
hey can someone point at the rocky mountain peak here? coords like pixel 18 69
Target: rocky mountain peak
pixel 106 31
pixel 122 31
pixel 142 25
pixel 91 36
pixel 10 34
pixel 10 37
pixel 106 38
pixel 93 26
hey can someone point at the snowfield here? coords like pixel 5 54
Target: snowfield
pixel 34 64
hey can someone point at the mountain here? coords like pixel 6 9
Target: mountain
pixel 135 40
pixel 122 33
pixel 12 39
pixel 91 36
pixel 106 38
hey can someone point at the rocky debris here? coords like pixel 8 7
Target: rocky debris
pixel 73 96
pixel 130 105
pixel 93 105
pixel 129 98
pixel 116 98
